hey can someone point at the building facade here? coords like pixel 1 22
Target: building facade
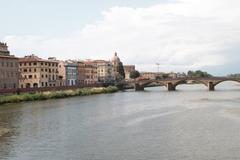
pixel 62 73
pixel 36 72
pixel 128 69
pixel 71 74
pixel 9 75
pixel 149 75
pixel 87 72
pixel 104 71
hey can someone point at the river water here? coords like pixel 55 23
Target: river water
pixel 189 124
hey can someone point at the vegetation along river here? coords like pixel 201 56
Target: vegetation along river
pixel 188 124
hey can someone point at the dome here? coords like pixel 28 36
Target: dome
pixel 115 58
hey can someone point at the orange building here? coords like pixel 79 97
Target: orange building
pixel 87 72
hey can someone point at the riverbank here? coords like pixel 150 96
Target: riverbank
pixel 56 94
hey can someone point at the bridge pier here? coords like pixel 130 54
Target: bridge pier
pixel 138 87
pixel 171 87
pixel 211 86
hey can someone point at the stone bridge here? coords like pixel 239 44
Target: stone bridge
pixel 171 84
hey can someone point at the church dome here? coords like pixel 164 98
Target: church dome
pixel 115 58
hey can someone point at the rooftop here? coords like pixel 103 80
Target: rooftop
pixel 34 58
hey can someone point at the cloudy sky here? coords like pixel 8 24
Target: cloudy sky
pixel 181 35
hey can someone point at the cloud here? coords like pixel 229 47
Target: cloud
pixel 182 35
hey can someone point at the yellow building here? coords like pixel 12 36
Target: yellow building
pixel 149 75
pixel 62 73
pixel 36 72
pixel 104 71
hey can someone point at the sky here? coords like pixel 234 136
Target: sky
pixel 180 35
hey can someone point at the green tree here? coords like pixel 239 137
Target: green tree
pixel 198 73
pixel 121 70
pixel 134 74
pixel 119 78
pixel 164 76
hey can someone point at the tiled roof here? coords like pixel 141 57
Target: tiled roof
pixel 34 58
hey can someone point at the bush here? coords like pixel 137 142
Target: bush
pixel 56 94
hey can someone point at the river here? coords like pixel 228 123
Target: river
pixel 188 124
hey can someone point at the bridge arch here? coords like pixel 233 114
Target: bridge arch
pixel 154 81
pixel 186 80
pixel 226 80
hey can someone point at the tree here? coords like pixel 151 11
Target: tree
pixel 121 70
pixel 119 78
pixel 165 76
pixel 198 73
pixel 134 74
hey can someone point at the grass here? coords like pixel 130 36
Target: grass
pixel 56 94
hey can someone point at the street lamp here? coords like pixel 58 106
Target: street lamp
pixel 157 67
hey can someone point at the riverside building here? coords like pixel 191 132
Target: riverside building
pixel 104 71
pixel 62 73
pixel 128 69
pixel 9 75
pixel 71 69
pixel 37 72
pixel 87 72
